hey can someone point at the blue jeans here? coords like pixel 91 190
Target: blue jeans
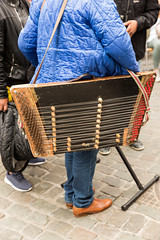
pixel 80 168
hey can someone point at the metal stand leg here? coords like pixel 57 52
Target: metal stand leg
pixel 139 185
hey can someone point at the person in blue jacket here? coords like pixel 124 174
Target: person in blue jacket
pixel 90 38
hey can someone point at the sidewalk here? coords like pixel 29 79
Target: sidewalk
pixel 41 213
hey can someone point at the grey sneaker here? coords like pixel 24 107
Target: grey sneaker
pixel 137 145
pixel 105 151
pixel 36 161
pixel 18 182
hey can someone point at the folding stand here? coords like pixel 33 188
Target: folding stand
pixel 142 188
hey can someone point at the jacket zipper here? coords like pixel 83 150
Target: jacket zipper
pixel 11 71
pixel 12 67
pixel 18 18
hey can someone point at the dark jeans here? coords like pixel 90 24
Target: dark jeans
pixel 80 168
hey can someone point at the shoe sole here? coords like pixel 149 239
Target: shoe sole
pixel 69 206
pixel 85 214
pixel 18 189
pixel 107 153
pixel 137 149
pixel 36 164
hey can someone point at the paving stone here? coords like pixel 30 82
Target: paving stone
pixel 31 231
pixel 5 191
pixel 25 238
pixel 21 197
pixel 60 226
pixel 59 160
pixel 35 171
pixel 2 176
pixel 155 169
pixel 60 201
pixel 107 160
pixel 134 223
pixel 105 230
pixel 151 231
pixel 52 193
pixel 140 172
pixel 34 181
pixel 12 223
pixel 2 229
pixel 113 191
pixel 1 215
pixel 38 219
pixel 113 181
pixel 104 215
pixel 149 211
pixel 63 214
pixel 104 169
pixel 97 185
pixel 42 187
pixel 19 211
pixel 133 161
pixel 131 191
pixel 130 153
pixel 157 157
pixel 156 190
pixel 147 159
pixel 10 235
pixel 4 203
pixel 84 222
pixel 48 165
pixel 98 175
pixel 118 218
pixel 2 169
pixel 123 175
pixel 155 145
pixel 120 201
pixel 49 236
pixel 43 206
pixel 81 233
pixel 59 170
pixel 103 195
pixel 50 177
pixel 127 185
pixel 102 238
pixel 145 178
pixel 120 167
pixel 128 236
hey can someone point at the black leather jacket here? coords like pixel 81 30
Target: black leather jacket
pixel 146 14
pixel 13 65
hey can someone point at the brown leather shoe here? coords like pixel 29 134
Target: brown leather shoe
pixel 70 205
pixel 97 205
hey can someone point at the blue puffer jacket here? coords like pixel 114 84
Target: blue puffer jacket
pixel 91 38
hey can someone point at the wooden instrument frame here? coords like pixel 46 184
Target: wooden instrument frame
pixel 47 147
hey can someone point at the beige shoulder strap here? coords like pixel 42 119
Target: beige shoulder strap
pixel 55 28
pixel 43 4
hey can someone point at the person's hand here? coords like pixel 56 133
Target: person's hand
pixel 131 26
pixel 3 104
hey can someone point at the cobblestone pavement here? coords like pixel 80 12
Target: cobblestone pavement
pixel 41 213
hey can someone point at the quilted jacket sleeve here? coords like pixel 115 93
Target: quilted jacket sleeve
pixel 3 90
pixel 27 40
pixel 111 32
pixel 28 44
